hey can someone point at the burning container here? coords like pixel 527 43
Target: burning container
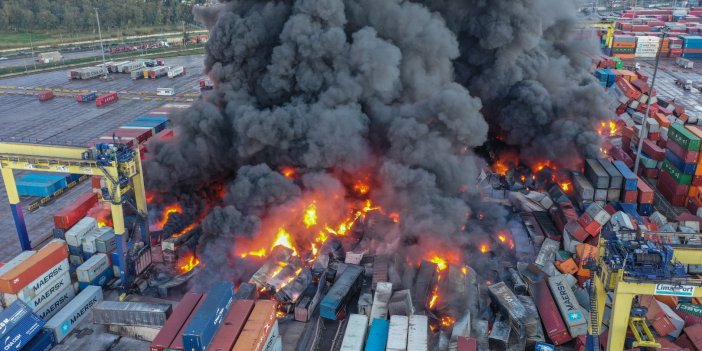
pixel 63 322
pixel 355 333
pixel 43 341
pixel 202 327
pixel 343 290
pixel 232 326
pixel 378 335
pixel 568 305
pixel 261 330
pixel 33 267
pixel 397 334
pixel 131 313
pixel 175 322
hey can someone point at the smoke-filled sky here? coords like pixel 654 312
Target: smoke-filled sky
pixel 397 92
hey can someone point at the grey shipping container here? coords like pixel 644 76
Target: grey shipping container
pixel 528 303
pixel 515 312
pixel 68 318
pixel 568 305
pixel 596 174
pixel 397 335
pixel 583 188
pixel 499 335
pixel 131 313
pixel 355 333
pixel 56 304
pixel 418 333
pixel 615 177
pixel 106 242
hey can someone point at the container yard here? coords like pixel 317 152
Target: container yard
pixel 292 199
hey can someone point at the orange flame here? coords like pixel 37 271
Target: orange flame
pixel 101 223
pixel 258 253
pixel 440 262
pixel 395 217
pixel 500 168
pixel 447 321
pixel 186 230
pixel 310 215
pixel 565 186
pixel 361 187
pixel 283 238
pixel 608 128
pixel 288 172
pixel 192 262
pixel 175 208
pixel 484 248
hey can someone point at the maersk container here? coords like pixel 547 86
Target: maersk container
pixel 92 268
pixel 20 335
pixel 343 290
pixel 418 333
pixel 43 341
pixel 100 280
pixel 60 299
pixel 397 334
pixel 568 305
pixel 355 334
pixel 50 292
pixel 70 316
pixel 199 332
pixel 74 236
pixel 378 335
pixel 131 313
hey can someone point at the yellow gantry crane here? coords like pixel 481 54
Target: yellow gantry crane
pixel 609 27
pixel 622 279
pixel 118 164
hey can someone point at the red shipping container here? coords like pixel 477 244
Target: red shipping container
pixel 645 193
pixel 629 196
pixel 694 333
pixel 17 278
pixel 580 343
pixel 553 323
pixel 667 181
pixel 642 75
pixel 177 343
pixel 96 182
pixel 142 135
pixel 232 325
pixel 180 314
pixel 610 209
pixel 663 325
pixel 74 212
pixel 576 231
pixel 652 150
pixel 651 173
pixel 467 344
pixel 692 205
pixel 108 98
pixel 591 227
pixel 46 95
pixel 675 200
pixel 685 342
pixel 697 180
pixel 628 89
pixel 686 155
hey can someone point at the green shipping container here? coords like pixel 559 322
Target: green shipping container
pixel 684 138
pixel 678 175
pixel 618 62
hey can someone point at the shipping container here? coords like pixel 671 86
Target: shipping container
pixel 175 322
pixel 177 343
pixel 615 177
pixel 131 313
pixel 48 292
pixel 86 97
pixel 176 71
pixel 499 335
pixel 261 330
pixel 70 316
pixel 30 269
pixel 231 327
pixel 515 312
pixel 59 300
pixel 377 335
pixel 397 334
pixel 695 334
pixel 630 180
pixel 344 289
pixel 675 173
pixel 355 333
pixel 382 295
pixel 547 226
pixel 99 280
pixel 92 268
pixel 679 134
pixel 568 305
pixel 106 99
pixel 71 214
pixel 201 329
pixel 21 257
pixel 43 341
pixel 597 175
pixel 547 252
pixel 418 333
pixel 467 344
pixel 46 95
pixel 532 339
pixel 74 235
pixel 25 328
pixel 583 188
pixel 13 316
pixel 552 321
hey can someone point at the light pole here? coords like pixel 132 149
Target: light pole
pixel 102 49
pixel 648 103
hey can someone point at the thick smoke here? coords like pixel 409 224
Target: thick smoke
pixel 391 91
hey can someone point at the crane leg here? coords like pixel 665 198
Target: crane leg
pixel 12 194
pixel 619 320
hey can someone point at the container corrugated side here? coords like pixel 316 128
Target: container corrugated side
pixel 74 236
pixel 378 335
pixel 418 333
pixel 62 298
pixel 568 305
pixel 29 326
pixel 12 316
pixel 379 309
pixel 24 255
pixel 348 284
pixel 202 327
pixel 231 327
pixel 50 292
pixel 17 278
pixel 177 343
pixel 355 334
pixel 91 268
pixel 144 314
pixel 100 280
pixel 39 285
pixel 68 318
pixel 258 329
pixel 175 322
pixel 44 341
pixel 397 334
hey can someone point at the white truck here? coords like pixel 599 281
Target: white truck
pixel 684 63
pixel 683 82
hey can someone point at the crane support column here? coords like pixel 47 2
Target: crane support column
pixel 17 214
pixel 118 226
pixel 619 322
pixel 140 196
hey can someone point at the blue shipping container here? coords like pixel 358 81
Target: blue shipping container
pixel 630 209
pixel 201 329
pixel 679 163
pixel 39 188
pixel 23 332
pixel 645 209
pixel 100 279
pixel 12 316
pixel 347 286
pixel 44 341
pixel 630 180
pixel 88 97
pixel 378 335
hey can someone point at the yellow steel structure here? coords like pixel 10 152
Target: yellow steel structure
pixel 625 288
pixel 609 27
pixel 64 159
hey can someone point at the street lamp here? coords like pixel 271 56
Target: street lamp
pixel 648 103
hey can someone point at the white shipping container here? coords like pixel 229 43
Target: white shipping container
pixel 175 71
pixel 72 314
pixel 88 241
pixel 418 333
pixel 383 292
pixel 355 334
pixel 39 285
pixel 50 308
pixel 24 255
pixel 74 236
pixel 547 253
pixel 397 335
pixel 95 265
pixel 568 305
pixel 50 292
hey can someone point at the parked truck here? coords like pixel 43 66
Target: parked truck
pixel 684 63
pixel 683 82
pixel 49 57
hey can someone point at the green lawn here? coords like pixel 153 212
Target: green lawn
pixel 20 39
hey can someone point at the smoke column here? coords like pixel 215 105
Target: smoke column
pixel 390 90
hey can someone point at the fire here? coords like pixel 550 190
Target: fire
pixel 540 166
pixel 288 172
pixel 464 270
pixel 361 187
pixel 484 248
pixel 395 217
pixel 101 223
pixel 175 208
pixel 311 215
pixel 434 298
pixel 565 186
pixel 186 230
pixel 283 238
pixel 440 262
pixel 447 321
pixel 502 238
pixel 608 128
pixel 258 253
pixel 500 168
pixel 192 262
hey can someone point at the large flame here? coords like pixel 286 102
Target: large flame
pixel 608 128
pixel 186 229
pixel 174 208
pixel 283 238
pixel 440 262
pixel 361 187
pixel 311 215
pixel 190 262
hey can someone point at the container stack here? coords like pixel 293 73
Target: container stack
pixel 692 46
pixel 680 164
pixel 647 47
pixel 624 47
pixel 19 326
pixel 676 48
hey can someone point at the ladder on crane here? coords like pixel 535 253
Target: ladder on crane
pixel 593 338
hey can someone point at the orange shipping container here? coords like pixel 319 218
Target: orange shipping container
pixel 17 278
pixel 662 120
pixel 567 267
pixel 261 323
pixel 583 252
pixel 671 301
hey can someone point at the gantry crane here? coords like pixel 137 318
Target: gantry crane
pixel 617 273
pixel 609 27
pixel 119 164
